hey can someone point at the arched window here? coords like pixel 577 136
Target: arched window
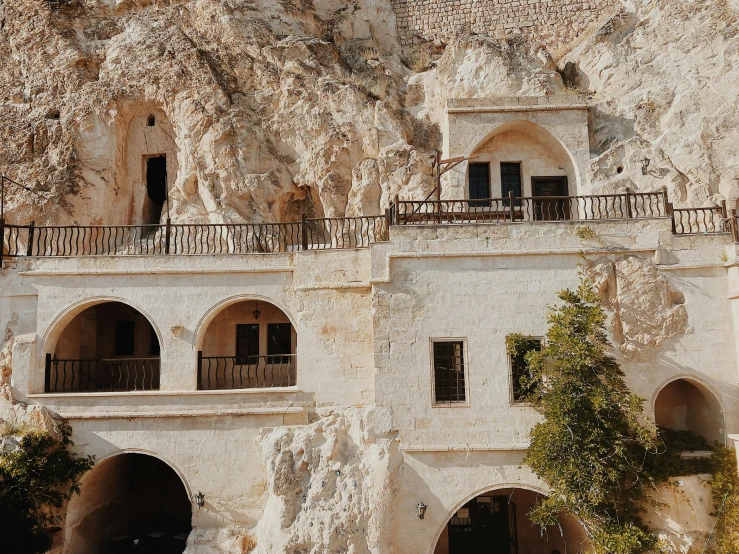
pixel 107 347
pixel 685 405
pixel 249 344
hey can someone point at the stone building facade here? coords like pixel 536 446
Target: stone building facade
pixel 294 393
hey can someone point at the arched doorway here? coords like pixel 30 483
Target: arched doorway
pixel 248 344
pixel 110 346
pixel 126 501
pixel 687 405
pixel 497 522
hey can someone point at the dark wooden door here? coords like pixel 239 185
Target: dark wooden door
pixel 486 530
pixel 551 198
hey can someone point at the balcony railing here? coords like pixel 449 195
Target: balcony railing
pixel 526 209
pixel 192 239
pixel 245 372
pixel 104 375
pixel 350 232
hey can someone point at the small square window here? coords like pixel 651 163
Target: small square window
pixel 517 361
pixel 450 380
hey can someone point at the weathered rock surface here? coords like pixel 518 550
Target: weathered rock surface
pixel 644 310
pixel 331 485
pixel 279 108
pixel 668 73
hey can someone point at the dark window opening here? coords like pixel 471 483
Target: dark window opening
pixel 510 181
pixel 279 340
pixel 154 347
pixel 552 203
pixel 53 114
pixel 449 385
pixel 151 121
pixel 247 340
pixel 522 383
pixel 124 338
pixel 479 183
pixel 156 186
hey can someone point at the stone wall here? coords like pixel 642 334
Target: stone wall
pixel 553 21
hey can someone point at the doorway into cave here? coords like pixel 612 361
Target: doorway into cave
pixel 128 503
pixel 156 188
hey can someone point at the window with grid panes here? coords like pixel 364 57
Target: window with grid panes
pixel 449 372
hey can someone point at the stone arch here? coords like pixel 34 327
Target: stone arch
pixel 541 153
pixel 143 149
pixel 686 402
pixel 111 496
pixel 506 488
pixel 246 342
pixel 100 345
pixel 59 323
pixel 211 314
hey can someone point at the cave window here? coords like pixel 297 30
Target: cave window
pixel 53 114
pixel 151 121
pixel 156 186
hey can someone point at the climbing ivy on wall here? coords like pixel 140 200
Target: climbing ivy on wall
pixel 591 448
pixel 37 476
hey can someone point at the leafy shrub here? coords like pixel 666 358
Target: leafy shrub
pixel 38 476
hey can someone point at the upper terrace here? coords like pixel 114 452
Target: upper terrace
pixel 28 240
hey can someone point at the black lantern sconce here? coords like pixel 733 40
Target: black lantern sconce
pixel 256 313
pixel 645 166
pixel 200 499
pixel 421 507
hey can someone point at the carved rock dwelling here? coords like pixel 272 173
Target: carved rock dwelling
pixel 264 256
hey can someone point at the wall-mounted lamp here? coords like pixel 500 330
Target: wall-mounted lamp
pixel 421 507
pixel 256 313
pixel 645 166
pixel 200 499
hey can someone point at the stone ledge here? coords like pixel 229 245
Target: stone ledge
pixel 465 447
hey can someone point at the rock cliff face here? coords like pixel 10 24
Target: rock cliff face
pixel 269 109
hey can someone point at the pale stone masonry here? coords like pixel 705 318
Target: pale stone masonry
pixel 555 22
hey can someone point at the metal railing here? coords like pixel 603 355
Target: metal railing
pixel 104 375
pixel 245 372
pixel 192 239
pixel 693 221
pixel 526 209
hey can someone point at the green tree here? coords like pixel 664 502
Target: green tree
pixel 590 448
pixel 41 474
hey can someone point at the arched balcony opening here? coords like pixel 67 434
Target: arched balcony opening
pixel 108 347
pixel 248 345
pixel 129 503
pixel 685 405
pixel 498 521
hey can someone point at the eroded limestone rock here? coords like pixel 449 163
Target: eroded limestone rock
pixel 645 311
pixel 331 485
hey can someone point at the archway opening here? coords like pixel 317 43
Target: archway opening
pixel 522 159
pixel 683 405
pixel 107 347
pixel 249 344
pixel 497 521
pixel 128 503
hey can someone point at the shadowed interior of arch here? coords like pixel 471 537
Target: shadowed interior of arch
pixel 683 405
pixel 107 347
pixel 248 344
pixel 129 498
pixel 497 522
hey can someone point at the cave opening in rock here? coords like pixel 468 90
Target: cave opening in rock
pixel 156 188
pixel 497 521
pixel 128 503
pixel 685 405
